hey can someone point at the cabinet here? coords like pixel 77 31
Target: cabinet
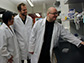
pixel 74 54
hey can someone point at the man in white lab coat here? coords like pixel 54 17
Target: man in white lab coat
pixel 9 48
pixel 44 37
pixel 22 26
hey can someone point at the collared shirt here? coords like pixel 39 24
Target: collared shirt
pixel 23 20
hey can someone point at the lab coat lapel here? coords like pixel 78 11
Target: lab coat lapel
pixel 43 31
pixel 43 28
pixel 5 26
pixel 53 39
pixel 12 29
pixel 27 20
pixel 19 20
pixel 55 32
pixel 44 22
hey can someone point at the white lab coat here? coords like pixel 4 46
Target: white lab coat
pixel 23 33
pixel 8 45
pixel 37 36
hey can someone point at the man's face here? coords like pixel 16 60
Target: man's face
pixel 53 14
pixel 23 10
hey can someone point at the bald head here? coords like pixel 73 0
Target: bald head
pixel 51 14
pixel 51 9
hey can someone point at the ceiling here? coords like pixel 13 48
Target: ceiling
pixel 35 2
pixel 38 5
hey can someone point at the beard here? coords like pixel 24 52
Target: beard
pixel 23 14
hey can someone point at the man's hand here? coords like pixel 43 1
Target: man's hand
pixel 10 60
pixel 31 52
pixel 82 43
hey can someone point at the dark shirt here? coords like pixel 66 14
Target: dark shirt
pixel 24 20
pixel 45 52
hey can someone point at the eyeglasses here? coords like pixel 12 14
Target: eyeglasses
pixel 54 13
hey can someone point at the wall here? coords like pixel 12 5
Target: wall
pixel 6 4
pixel 39 8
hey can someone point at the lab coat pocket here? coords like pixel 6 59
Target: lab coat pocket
pixel 56 38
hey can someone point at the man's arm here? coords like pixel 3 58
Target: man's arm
pixel 65 34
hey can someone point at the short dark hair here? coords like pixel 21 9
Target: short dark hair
pixel 19 6
pixel 7 16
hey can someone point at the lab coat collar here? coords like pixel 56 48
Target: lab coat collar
pixel 44 21
pixel 19 16
pixel 21 20
pixel 5 26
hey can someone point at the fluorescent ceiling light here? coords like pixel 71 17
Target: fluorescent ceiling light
pixel 38 14
pixel 31 4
